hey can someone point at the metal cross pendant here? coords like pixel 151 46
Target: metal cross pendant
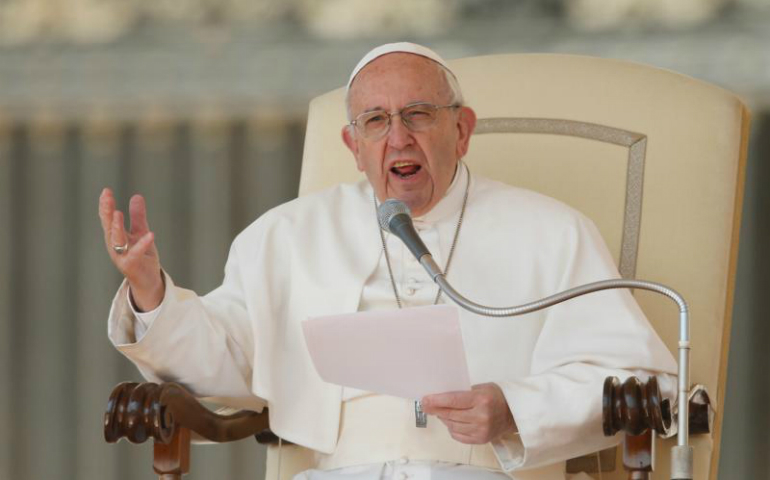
pixel 421 420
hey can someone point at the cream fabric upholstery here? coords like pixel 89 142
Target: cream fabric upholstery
pixel 691 138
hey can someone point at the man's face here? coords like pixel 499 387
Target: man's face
pixel 414 167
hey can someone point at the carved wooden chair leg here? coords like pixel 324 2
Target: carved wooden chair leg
pixel 637 408
pixel 638 455
pixel 172 460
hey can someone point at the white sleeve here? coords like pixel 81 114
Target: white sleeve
pixel 204 343
pixel 557 407
pixel 143 319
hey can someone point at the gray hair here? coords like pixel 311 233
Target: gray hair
pixel 449 77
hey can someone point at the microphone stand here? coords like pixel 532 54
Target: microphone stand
pixel 682 453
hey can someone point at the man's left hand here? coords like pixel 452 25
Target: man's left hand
pixel 474 417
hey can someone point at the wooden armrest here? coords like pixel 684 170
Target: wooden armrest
pixel 638 409
pixel 635 406
pixel 168 414
pixel 138 411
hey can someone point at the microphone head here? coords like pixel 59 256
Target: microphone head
pixel 389 209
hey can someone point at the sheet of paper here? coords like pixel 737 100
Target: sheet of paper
pixel 406 353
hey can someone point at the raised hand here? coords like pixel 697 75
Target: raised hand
pixel 133 252
pixel 474 417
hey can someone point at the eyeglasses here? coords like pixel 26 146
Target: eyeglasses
pixel 416 117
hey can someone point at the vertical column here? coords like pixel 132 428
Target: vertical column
pixel 43 354
pixel 96 361
pixel 278 160
pixel 7 289
pixel 267 163
pixel 207 244
pixel 209 203
pixel 746 415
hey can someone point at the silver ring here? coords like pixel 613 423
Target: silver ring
pixel 120 249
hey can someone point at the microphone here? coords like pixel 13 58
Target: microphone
pixel 394 217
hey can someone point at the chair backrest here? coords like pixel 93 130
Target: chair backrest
pixel 654 158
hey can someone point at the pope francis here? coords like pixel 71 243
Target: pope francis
pixel 537 378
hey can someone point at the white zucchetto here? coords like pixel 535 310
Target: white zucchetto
pixel 400 47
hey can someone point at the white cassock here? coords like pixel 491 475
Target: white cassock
pixel 321 254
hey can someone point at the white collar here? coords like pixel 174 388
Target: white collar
pixel 452 201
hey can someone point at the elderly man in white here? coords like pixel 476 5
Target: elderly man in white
pixel 537 378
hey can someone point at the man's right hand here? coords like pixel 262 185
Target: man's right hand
pixel 140 263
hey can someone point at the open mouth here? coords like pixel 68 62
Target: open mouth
pixel 405 169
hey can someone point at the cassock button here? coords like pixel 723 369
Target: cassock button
pixel 410 291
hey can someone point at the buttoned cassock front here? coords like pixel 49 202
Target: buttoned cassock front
pixel 312 257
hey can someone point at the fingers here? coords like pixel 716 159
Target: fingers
pixel 139 264
pixel 476 432
pixel 472 417
pixel 140 248
pixel 455 400
pixel 106 207
pixel 468 429
pixel 454 415
pixel 137 210
pixel 466 432
pixel 118 234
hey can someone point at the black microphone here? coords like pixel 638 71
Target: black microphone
pixel 394 217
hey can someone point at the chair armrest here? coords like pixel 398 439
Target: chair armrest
pixel 138 411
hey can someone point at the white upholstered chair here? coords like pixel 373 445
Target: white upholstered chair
pixel 655 158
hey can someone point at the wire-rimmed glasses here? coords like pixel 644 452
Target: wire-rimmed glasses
pixel 416 117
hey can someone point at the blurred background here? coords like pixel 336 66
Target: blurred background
pixel 200 105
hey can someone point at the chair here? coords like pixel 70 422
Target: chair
pixel 656 159
pixel 653 157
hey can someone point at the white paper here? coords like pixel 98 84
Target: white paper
pixel 408 353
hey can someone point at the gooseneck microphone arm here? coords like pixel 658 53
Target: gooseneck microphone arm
pixel 681 461
pixel 393 213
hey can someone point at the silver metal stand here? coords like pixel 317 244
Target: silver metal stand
pixel 682 453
